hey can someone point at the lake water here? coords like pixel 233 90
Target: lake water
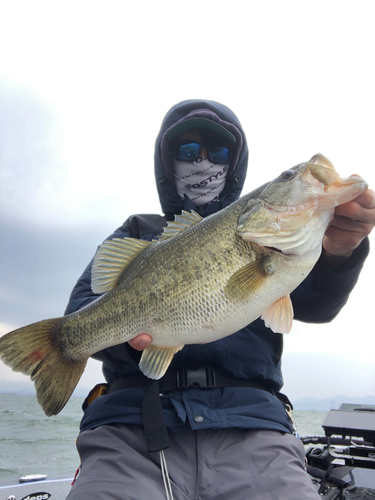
pixel 31 443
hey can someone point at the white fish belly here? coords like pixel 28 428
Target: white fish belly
pixel 205 317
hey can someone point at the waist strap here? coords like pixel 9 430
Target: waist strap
pixel 176 379
pixel 206 377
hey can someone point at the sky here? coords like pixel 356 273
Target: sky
pixel 84 86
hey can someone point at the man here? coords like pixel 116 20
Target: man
pixel 229 429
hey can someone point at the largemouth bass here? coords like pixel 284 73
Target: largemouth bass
pixel 200 281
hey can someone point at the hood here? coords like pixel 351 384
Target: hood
pixel 170 201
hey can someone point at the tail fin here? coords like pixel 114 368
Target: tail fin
pixel 32 350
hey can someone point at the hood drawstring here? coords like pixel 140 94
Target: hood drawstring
pixel 156 432
pixel 165 474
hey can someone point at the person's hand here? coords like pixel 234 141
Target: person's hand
pixel 140 342
pixel 353 221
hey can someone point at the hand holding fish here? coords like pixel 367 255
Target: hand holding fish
pixel 353 221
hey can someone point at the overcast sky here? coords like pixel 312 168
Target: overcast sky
pixel 84 87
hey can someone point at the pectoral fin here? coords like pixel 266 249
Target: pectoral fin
pixel 279 315
pixel 247 280
pixel 155 360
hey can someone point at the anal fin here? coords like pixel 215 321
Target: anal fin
pixel 279 315
pixel 155 360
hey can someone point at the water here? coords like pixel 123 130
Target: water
pixel 31 443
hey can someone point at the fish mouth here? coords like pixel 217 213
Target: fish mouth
pixel 290 213
pixel 336 190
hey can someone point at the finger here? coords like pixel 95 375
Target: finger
pixel 347 224
pixel 340 242
pixel 366 199
pixel 356 212
pixel 140 342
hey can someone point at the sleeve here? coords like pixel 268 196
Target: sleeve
pixel 82 294
pixel 322 295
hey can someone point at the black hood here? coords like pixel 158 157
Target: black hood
pixel 170 201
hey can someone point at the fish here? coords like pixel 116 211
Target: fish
pixel 199 281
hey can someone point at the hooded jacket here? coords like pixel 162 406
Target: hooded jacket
pixel 253 353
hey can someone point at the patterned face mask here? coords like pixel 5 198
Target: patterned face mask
pixel 201 180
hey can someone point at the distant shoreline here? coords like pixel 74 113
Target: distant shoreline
pixel 305 404
pixel 27 388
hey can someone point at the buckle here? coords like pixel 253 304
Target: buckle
pixel 203 377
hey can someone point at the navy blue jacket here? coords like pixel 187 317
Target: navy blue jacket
pixel 253 353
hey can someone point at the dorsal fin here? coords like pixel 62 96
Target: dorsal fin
pixel 180 223
pixel 112 257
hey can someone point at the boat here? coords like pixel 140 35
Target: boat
pixel 340 463
pixel 37 487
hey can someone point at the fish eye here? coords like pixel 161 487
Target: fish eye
pixel 289 174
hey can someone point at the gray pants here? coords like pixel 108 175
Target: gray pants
pixel 223 464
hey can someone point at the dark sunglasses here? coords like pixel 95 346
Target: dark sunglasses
pixel 190 152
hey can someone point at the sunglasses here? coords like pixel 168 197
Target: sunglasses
pixel 190 152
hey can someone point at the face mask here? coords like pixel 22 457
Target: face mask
pixel 201 180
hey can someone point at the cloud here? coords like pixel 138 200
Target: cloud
pixel 39 267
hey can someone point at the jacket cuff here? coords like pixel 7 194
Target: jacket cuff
pixel 347 275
